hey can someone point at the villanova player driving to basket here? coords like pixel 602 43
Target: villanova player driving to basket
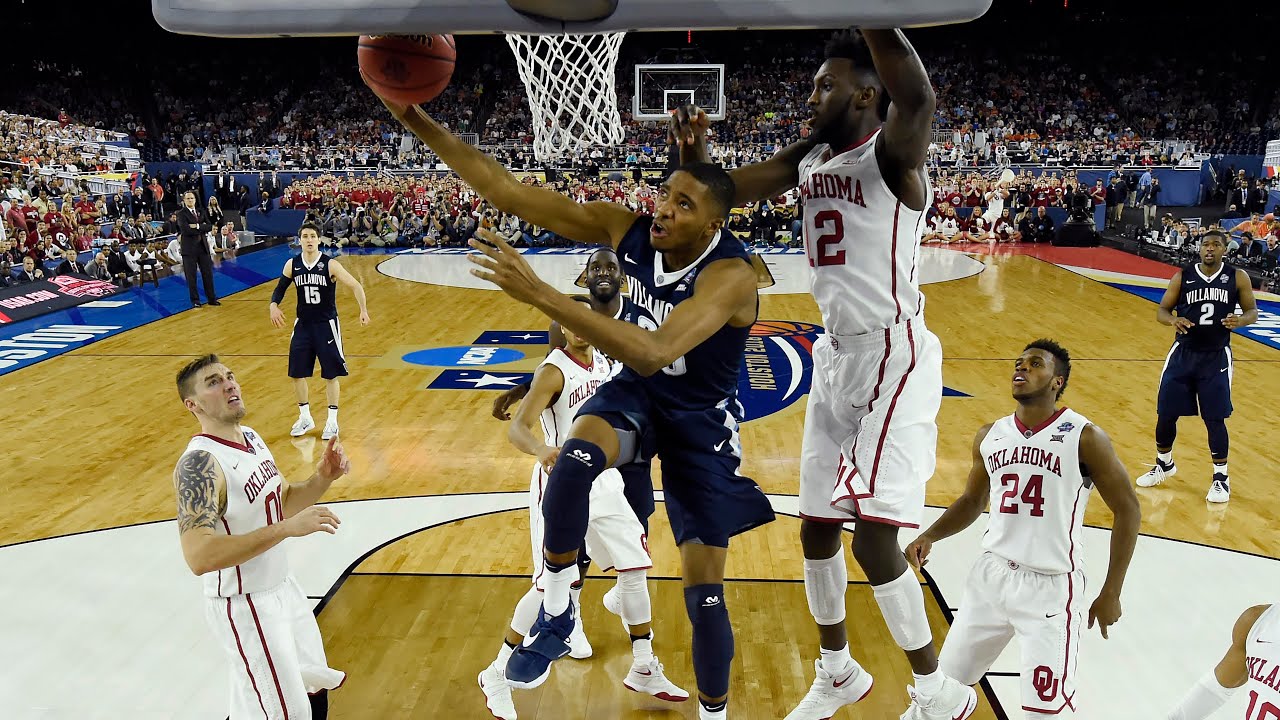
pixel 676 397
pixel 870 431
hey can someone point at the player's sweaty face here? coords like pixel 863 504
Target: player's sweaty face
pixel 604 276
pixel 1032 373
pixel 682 213
pixel 1211 250
pixel 832 91
pixel 309 241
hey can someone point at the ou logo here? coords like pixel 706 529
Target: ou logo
pixel 1045 684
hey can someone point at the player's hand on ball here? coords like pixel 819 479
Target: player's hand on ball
pixel 335 462
pixel 918 552
pixel 1182 325
pixel 1231 322
pixel 548 457
pixel 504 267
pixel 1105 611
pixel 688 124
pixel 312 520
pixel 277 316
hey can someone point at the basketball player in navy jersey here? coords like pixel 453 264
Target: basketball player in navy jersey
pixel 1200 303
pixel 870 432
pixel 695 292
pixel 316 333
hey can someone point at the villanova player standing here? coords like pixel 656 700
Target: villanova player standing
pixel 1200 304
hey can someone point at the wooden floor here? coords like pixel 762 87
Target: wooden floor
pixel 417 620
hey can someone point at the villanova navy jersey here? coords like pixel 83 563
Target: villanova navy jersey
pixel 1207 302
pixel 708 374
pixel 317 296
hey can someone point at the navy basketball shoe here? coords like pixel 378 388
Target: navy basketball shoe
pixel 548 641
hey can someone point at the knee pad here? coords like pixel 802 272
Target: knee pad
pixel 901 602
pixel 565 507
pixel 825 582
pixel 633 593
pixel 712 638
pixel 526 613
pixel 1219 442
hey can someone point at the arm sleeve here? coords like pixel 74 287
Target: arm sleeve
pixel 1205 697
pixel 278 294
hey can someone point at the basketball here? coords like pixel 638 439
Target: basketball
pixel 407 69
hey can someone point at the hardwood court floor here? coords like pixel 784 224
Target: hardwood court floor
pixel 100 452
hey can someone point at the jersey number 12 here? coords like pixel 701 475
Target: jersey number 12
pixel 831 224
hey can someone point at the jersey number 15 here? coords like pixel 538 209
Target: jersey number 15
pixel 311 294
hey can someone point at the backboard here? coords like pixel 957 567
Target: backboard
pixel 660 89
pixel 270 18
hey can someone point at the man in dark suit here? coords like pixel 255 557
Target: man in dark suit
pixel 30 272
pixel 193 227
pixel 72 266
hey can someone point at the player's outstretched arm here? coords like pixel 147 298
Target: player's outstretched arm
pixel 599 223
pixel 202 501
pixel 962 513
pixel 548 381
pixel 1112 480
pixel 343 276
pixel 299 497
pixel 752 183
pixel 1213 690
pixel 1164 313
pixel 909 122
pixel 724 289
pixel 286 279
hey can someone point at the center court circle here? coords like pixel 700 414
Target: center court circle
pixel 463 356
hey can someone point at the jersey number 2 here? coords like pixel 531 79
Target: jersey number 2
pixel 311 294
pixel 1206 314
pixel 831 224
pixel 1032 494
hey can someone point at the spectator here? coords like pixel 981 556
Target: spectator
pixel 71 265
pixel 30 272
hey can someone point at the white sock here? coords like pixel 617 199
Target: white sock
pixel 575 594
pixel 333 414
pixel 556 588
pixel 1219 468
pixel 504 654
pixel 705 714
pixel 304 411
pixel 929 685
pixel 1165 457
pixel 836 661
pixel 642 651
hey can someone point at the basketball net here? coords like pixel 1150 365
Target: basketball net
pixel 569 81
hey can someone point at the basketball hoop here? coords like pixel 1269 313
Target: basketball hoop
pixel 569 80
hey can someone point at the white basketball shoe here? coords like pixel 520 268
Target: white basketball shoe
pixel 1220 490
pixel 953 702
pixel 649 679
pixel 1157 474
pixel 497 692
pixel 830 692
pixel 330 429
pixel 304 425
pixel 579 646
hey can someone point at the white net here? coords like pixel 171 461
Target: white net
pixel 572 100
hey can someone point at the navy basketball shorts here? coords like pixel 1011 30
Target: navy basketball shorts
pixel 707 500
pixel 1194 378
pixel 318 340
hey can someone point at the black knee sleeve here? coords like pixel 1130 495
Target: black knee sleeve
pixel 1218 441
pixel 1166 430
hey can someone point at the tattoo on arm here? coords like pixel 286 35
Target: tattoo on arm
pixel 199 503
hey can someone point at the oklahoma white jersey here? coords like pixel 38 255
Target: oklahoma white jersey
pixel 1262 654
pixel 580 383
pixel 1038 493
pixel 863 244
pixel 253 501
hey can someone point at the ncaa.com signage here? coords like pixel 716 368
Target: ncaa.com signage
pixel 26 348
pixel 46 296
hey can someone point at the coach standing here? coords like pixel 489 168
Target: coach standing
pixel 193 229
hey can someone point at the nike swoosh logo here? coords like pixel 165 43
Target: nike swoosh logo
pixel 847 678
pixel 646 674
pixel 719 445
pixel 627 257
pixel 1047 616
pixel 967 709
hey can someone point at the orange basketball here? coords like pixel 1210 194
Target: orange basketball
pixel 407 69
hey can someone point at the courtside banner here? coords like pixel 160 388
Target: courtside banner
pixel 45 296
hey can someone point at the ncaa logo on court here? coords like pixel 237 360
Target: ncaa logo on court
pixel 463 356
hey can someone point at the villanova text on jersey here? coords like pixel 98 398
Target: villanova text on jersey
pixel 1206 302
pixel 317 294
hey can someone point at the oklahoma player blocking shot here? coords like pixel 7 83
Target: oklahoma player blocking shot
pixel 1036 467
pixel 1252 659
pixel 870 430
pixel 234 509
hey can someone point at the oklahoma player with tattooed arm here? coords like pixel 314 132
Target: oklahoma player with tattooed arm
pixel 1035 468
pixel 234 509
pixel 870 430
pixel 676 396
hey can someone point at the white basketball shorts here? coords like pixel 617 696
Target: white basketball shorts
pixel 870 431
pixel 615 538
pixel 1044 612
pixel 275 652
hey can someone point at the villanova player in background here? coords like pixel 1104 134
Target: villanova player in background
pixel 1200 304
pixel 316 332
pixel 676 397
